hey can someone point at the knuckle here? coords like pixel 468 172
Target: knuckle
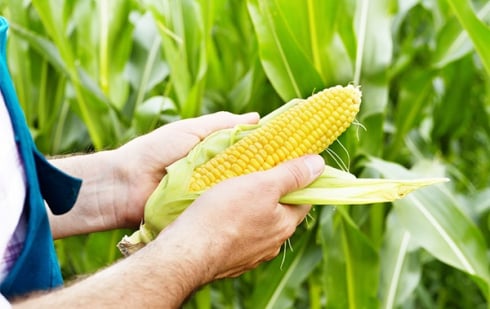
pixel 297 175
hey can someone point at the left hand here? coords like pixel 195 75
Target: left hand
pixel 144 160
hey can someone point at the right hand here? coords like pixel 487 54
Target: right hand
pixel 239 223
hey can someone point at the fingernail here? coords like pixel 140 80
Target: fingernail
pixel 315 164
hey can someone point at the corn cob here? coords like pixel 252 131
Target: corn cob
pixel 299 127
pixel 308 127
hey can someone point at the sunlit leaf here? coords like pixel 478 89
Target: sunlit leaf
pixel 374 43
pixel 401 271
pixel 438 225
pixel 185 35
pixel 41 44
pixel 285 62
pixel 350 263
pixel 153 111
pixel 453 42
pixel 478 31
pixel 280 280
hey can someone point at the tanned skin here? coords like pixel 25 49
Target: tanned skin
pixel 230 229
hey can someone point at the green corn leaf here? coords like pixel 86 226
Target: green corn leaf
pixel 401 271
pixel 284 60
pixel 41 44
pixel 478 31
pixel 350 262
pixel 438 225
pixel 184 28
pixel 282 278
pixel 55 16
pixel 146 68
pixel 453 42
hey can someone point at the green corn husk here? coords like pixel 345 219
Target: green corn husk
pixel 333 187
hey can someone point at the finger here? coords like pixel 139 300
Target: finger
pixel 299 212
pixel 296 173
pixel 204 125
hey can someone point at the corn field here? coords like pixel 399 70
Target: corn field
pixel 91 75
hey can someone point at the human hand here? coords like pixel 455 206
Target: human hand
pixel 230 229
pixel 144 159
pixel 239 223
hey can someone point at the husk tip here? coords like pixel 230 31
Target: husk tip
pixel 130 244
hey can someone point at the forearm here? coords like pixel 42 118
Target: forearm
pixel 163 275
pixel 102 188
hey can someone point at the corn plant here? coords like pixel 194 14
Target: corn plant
pixel 92 74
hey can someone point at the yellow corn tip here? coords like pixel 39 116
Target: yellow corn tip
pixel 306 128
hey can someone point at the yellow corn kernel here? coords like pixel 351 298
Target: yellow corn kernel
pixel 321 119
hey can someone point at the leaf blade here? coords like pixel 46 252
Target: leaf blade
pixel 431 216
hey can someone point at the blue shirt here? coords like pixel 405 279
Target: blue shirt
pixel 37 267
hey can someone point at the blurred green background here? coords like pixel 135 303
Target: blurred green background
pixel 91 75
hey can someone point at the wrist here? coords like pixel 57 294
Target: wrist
pixel 119 166
pixel 102 189
pixel 130 181
pixel 195 251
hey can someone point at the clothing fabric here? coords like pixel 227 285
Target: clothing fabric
pixel 12 194
pixel 36 268
pixel 14 246
pixel 4 303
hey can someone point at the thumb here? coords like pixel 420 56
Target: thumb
pixel 297 173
